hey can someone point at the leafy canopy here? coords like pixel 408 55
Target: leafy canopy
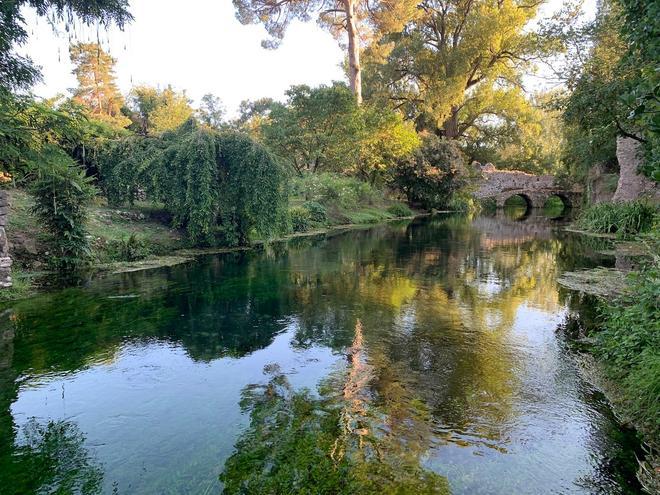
pixel 156 111
pixel 222 187
pixel 458 65
pixel 323 129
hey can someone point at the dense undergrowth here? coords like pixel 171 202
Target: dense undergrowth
pixel 623 219
pixel 628 343
pixel 626 337
pixel 325 199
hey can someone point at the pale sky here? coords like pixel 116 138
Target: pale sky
pixel 198 46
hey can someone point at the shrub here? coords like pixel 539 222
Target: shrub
pixel 433 175
pixel 124 168
pixel 317 211
pixel 623 219
pixel 131 249
pixel 399 210
pixel 301 219
pixel 334 190
pixel 61 192
pixel 629 345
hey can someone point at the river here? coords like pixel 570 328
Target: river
pixel 133 383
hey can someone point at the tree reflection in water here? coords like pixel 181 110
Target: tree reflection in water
pixel 343 441
pixel 50 458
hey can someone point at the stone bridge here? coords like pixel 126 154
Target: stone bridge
pixel 501 185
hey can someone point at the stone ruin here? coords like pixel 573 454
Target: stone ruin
pixel 632 185
pixel 5 260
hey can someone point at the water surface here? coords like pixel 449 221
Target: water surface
pixel 132 384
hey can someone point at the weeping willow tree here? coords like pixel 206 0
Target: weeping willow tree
pixel 222 187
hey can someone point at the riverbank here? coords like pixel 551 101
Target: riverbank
pixel 619 346
pixel 139 237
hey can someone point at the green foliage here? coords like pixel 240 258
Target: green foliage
pixel 317 130
pixel 317 212
pixel 17 71
pixel 593 110
pixel 434 176
pixel 334 190
pixel 456 68
pixel 61 193
pixel 629 345
pixel 211 111
pixel 616 91
pixel 385 138
pixel 132 248
pixel 641 29
pixel 28 128
pixel 97 89
pixel 399 210
pixel 624 219
pixel 124 168
pixel 301 218
pixel 533 141
pixel 324 130
pixel 222 187
pixel 156 111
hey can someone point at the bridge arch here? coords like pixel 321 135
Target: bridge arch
pixel 525 197
pixel 565 199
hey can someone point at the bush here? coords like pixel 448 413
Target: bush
pixel 131 249
pixel 624 219
pixel 61 192
pixel 399 210
pixel 629 345
pixel 433 175
pixel 124 168
pixel 317 211
pixel 334 190
pixel 301 219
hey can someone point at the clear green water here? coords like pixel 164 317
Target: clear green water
pixel 132 384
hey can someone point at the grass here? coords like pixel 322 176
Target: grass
pixel 23 285
pixel 345 200
pixel 623 219
pixel 140 228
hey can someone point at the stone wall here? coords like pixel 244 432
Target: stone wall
pixel 5 260
pixel 632 185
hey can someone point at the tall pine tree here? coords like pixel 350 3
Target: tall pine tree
pixel 97 90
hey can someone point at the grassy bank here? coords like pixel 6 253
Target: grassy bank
pixel 325 200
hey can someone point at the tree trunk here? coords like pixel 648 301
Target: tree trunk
pixel 354 70
pixel 450 125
